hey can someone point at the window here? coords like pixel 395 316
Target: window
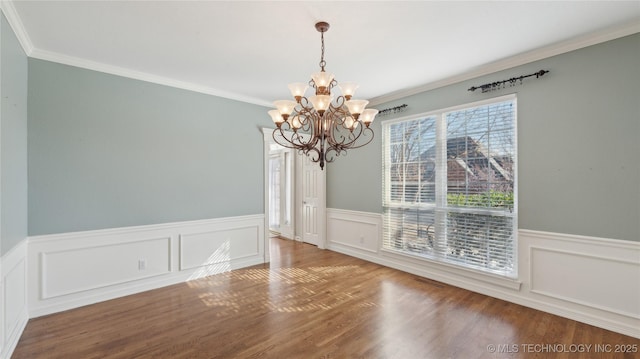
pixel 450 186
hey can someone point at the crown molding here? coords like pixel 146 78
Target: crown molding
pixel 142 76
pixel 18 28
pixel 16 24
pixel 517 60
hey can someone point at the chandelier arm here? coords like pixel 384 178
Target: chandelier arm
pixel 341 136
pixel 329 130
pixel 336 116
pixel 337 151
pixel 330 158
pixel 338 110
pixel 305 127
pixel 345 138
pixel 331 142
pixel 292 139
pixel 309 115
pixel 340 102
pixel 287 142
pixel 295 139
pixel 307 152
pixel 304 102
pixel 316 132
pixel 363 134
pixel 306 123
pixel 308 149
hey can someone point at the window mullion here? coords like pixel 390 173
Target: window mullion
pixel 441 186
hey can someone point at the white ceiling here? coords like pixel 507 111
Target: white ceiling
pixel 250 51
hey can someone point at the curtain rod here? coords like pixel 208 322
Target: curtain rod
pixel 389 110
pixel 512 81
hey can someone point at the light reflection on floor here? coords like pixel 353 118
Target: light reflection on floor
pixel 300 285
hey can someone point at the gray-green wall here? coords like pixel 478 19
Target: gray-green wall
pixel 13 139
pixel 578 142
pixel 107 151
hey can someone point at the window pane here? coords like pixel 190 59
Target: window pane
pixel 410 160
pixel 481 241
pixel 409 230
pixel 480 156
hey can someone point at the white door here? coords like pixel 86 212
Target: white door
pixel 313 203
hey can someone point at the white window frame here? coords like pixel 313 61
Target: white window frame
pixel 440 205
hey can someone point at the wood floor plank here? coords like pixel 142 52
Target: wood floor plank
pixel 309 303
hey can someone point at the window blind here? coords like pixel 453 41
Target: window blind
pixel 450 186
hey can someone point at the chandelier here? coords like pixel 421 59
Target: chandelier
pixel 318 126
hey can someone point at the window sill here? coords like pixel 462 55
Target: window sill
pixel 432 266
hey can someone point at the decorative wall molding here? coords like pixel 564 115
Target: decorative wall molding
pixel 204 249
pixel 357 230
pixel 16 24
pixel 85 268
pixel 588 279
pixel 70 270
pixel 593 290
pixel 13 302
pixel 535 55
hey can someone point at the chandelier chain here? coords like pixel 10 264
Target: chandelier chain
pixel 322 62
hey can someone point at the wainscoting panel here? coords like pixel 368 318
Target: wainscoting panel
pixel 357 230
pixel 70 270
pixel 587 280
pixel 81 269
pixel 14 298
pixel 215 247
pixel 591 280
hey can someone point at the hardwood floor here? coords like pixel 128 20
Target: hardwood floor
pixel 310 303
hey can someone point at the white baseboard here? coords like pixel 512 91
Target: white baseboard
pixel 70 270
pixel 13 298
pixel 591 280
